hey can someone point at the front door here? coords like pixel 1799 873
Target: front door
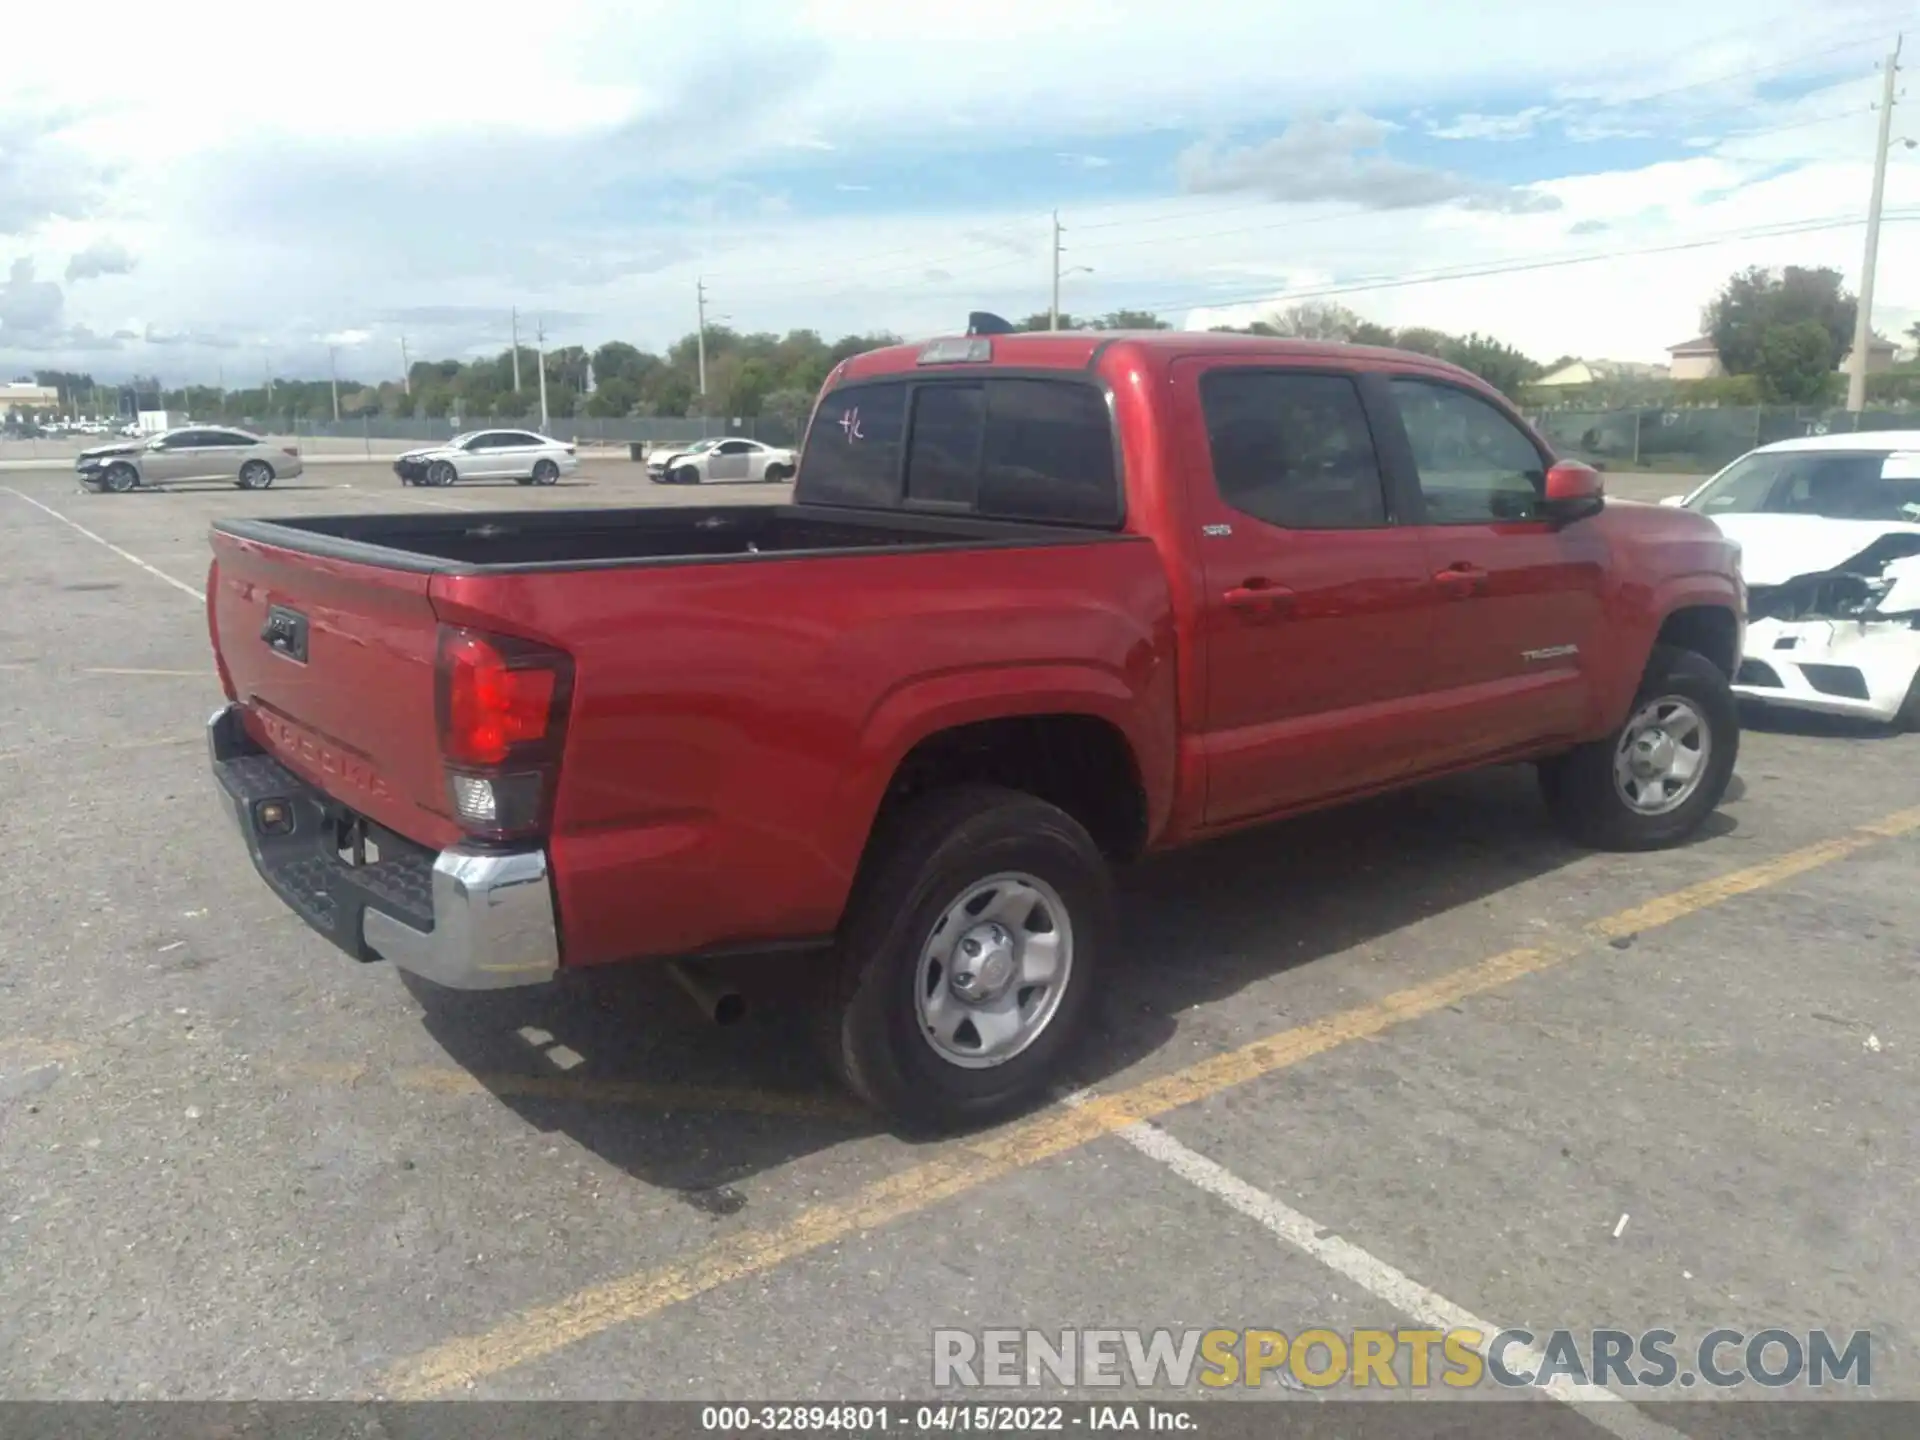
pixel 1317 602
pixel 730 460
pixel 172 458
pixel 1520 597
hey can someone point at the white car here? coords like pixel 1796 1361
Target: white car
pixel 522 455
pixel 1829 536
pixel 721 459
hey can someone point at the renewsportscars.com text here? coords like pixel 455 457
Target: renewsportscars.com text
pixel 1721 1359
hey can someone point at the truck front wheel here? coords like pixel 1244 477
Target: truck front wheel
pixel 967 960
pixel 1653 781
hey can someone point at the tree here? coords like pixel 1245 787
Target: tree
pixel 614 397
pixel 1795 363
pixel 666 392
pixel 1316 320
pixel 617 360
pixel 792 406
pixel 1758 300
pixel 1131 320
pixel 1501 366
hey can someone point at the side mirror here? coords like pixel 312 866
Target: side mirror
pixel 1674 500
pixel 1574 491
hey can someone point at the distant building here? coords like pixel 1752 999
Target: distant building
pixel 1581 373
pixel 1880 355
pixel 1696 359
pixel 15 396
pixel 1700 359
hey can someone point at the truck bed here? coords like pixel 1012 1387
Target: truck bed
pixel 510 541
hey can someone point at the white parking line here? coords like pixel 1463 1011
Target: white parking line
pixel 126 555
pixel 1610 1411
pixel 436 504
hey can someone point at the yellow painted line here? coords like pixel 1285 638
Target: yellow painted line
pixel 584 1090
pixel 970 1164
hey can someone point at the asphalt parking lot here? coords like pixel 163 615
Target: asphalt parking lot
pixel 1405 1063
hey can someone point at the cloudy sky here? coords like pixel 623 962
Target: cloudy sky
pixel 257 183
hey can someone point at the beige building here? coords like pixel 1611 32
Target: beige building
pixel 15 396
pixel 1880 355
pixel 1581 373
pixel 1696 359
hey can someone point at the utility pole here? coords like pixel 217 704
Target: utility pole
pixel 266 375
pixel 700 345
pixel 406 368
pixel 1863 319
pixel 516 348
pixel 1053 309
pixel 540 352
pixel 333 373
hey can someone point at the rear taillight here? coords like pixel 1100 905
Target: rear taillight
pixel 570 449
pixel 213 631
pixel 502 709
pixel 293 450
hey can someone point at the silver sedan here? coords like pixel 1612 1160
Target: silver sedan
pixel 192 453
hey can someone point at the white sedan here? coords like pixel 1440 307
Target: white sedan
pixel 721 459
pixel 522 455
pixel 1829 534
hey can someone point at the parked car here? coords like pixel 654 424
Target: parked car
pixel 722 459
pixel 1042 603
pixel 1829 534
pixel 192 453
pixel 522 455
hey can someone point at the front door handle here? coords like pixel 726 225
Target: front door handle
pixel 1461 579
pixel 1259 598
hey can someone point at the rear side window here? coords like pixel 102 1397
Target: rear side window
pixel 853 447
pixel 1011 449
pixel 1293 449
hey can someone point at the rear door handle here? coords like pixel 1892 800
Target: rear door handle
pixel 1259 598
pixel 1462 578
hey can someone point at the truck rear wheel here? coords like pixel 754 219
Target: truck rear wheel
pixel 967 960
pixel 1653 782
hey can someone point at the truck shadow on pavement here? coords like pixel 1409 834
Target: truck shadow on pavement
pixel 699 1109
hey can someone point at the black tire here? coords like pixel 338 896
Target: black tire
pixel 1580 787
pixel 684 475
pixel 545 472
pixel 441 472
pixel 778 474
pixel 120 478
pixel 255 475
pixel 921 863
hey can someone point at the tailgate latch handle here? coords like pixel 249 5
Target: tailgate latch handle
pixel 286 632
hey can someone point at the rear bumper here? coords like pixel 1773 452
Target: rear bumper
pixel 466 919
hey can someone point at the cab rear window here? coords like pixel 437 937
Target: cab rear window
pixel 1012 448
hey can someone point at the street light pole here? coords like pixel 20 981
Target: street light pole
pixel 540 359
pixel 514 321
pixel 700 303
pixel 406 368
pixel 333 374
pixel 1863 316
pixel 1053 309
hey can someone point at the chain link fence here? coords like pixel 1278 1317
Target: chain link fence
pixel 1684 441
pixel 584 430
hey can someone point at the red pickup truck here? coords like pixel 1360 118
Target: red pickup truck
pixel 1042 603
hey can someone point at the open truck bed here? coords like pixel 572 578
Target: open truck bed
pixel 578 539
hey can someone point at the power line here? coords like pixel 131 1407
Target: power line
pixel 1394 282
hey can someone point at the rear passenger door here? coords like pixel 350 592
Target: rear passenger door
pixel 1318 606
pixel 1519 599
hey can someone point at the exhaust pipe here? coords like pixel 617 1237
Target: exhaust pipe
pixel 718 1001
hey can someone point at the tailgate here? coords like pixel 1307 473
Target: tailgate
pixel 334 662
